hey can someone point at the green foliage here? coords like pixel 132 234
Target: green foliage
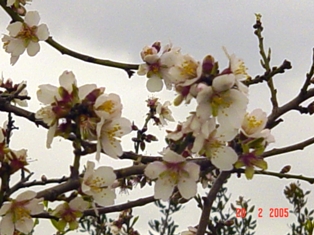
pixel 305 220
pixel 165 226
pixel 225 221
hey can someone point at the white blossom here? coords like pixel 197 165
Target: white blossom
pixel 173 171
pixel 25 35
pixel 97 183
pixel 17 213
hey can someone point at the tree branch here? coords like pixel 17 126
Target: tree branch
pixel 208 201
pixel 294 147
pixel 63 50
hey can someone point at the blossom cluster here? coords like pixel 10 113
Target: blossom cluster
pixel 220 127
pixel 95 114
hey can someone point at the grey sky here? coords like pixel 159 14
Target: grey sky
pixel 119 29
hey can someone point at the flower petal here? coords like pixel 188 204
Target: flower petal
pixel 42 32
pixel 33 48
pixel 6 225
pixel 32 18
pixel 163 189
pixel 154 84
pixel 154 169
pixel 105 197
pixel 224 158
pixel 24 225
pixel 25 196
pixel 107 174
pixel 187 188
pixel 173 157
pixel 14 28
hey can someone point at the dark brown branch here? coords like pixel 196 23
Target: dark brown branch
pixel 273 118
pixel 63 50
pixel 104 210
pixel 208 201
pixel 121 207
pixel 279 175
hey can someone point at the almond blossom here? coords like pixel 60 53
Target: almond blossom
pixel 219 100
pixel 109 134
pixel 173 171
pixel 215 147
pixel 253 123
pixel 17 213
pixel 61 100
pixel 156 67
pixel 164 113
pixel 186 70
pixel 237 67
pixel 97 183
pixel 25 35
pixel 108 106
pixel 69 212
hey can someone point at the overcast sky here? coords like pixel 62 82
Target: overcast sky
pixel 119 29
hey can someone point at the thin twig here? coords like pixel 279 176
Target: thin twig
pixel 63 50
pixel 290 148
pixel 280 175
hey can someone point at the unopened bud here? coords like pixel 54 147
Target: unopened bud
pixel 157 46
pixel 285 169
pixel 21 11
pixel 43 178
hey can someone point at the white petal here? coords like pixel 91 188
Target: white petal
pixel 42 32
pixel 142 69
pixel 10 2
pixel 193 169
pixel 32 18
pixel 14 28
pixel 16 47
pixel 111 147
pixel 78 204
pixel 154 169
pixel 25 226
pixel 198 143
pixel 163 189
pixel 223 82
pixel 105 198
pixel 224 158
pixel 6 225
pixel 13 59
pixel 5 207
pixel 85 90
pixel 51 135
pixel 187 188
pixel 46 93
pixel 67 80
pixel 173 157
pixel 107 174
pixel 33 48
pixel 34 207
pixel 154 84
pixel 27 195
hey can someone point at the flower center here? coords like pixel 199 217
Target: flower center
pixel 253 122
pixel 19 212
pixel 114 132
pixel 107 106
pixel 189 69
pixel 28 34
